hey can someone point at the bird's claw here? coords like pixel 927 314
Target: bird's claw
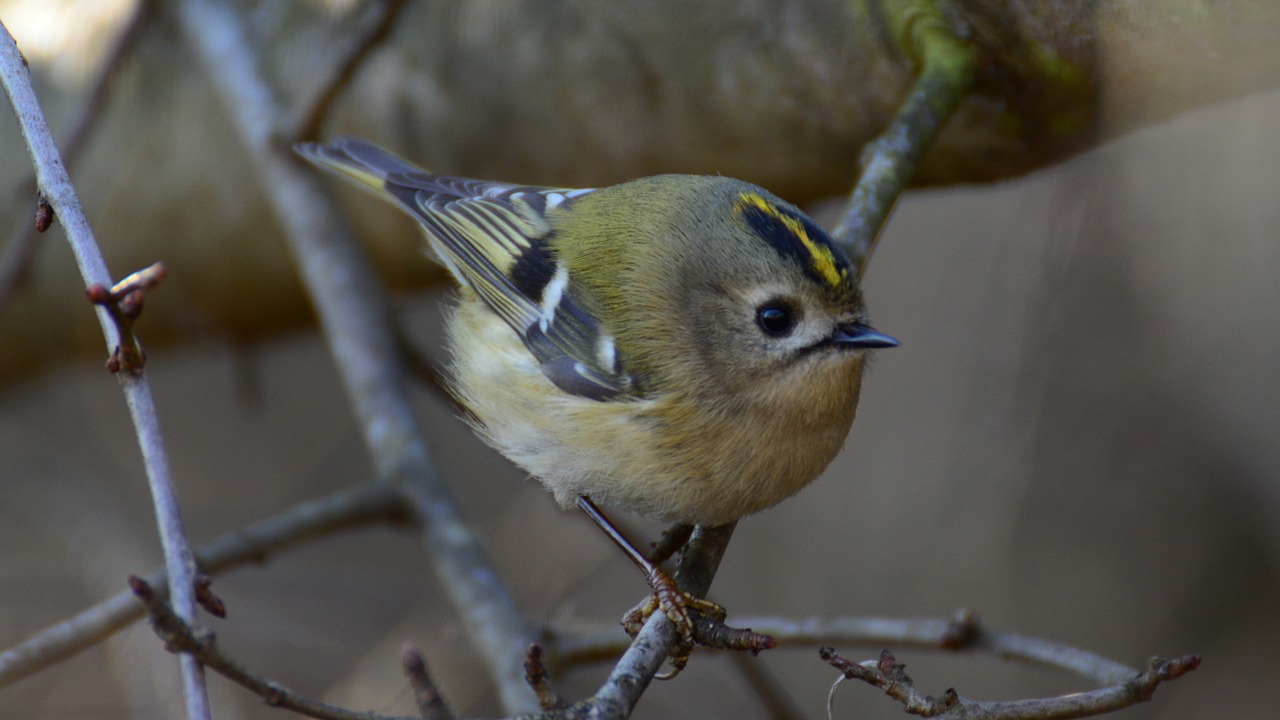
pixel 677 605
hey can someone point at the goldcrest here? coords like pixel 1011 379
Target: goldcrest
pixel 682 347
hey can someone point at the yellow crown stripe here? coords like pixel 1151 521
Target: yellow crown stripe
pixel 821 259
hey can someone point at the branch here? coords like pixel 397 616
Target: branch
pixel 615 699
pixel 17 255
pixel 535 673
pixel 431 704
pixel 659 637
pixel 960 634
pixel 180 637
pixel 353 313
pixel 889 162
pixel 1122 685
pixel 374 28
pixel 362 505
pixel 123 303
pixel 890 676
pixel 55 186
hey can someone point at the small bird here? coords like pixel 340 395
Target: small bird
pixel 682 347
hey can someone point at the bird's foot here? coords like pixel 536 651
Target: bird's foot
pixel 677 605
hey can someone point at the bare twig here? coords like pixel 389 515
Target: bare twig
pixel 17 255
pixel 356 507
pixel 431 704
pixel 55 185
pixel 535 673
pixel 656 640
pixel 207 599
pixel 123 303
pixel 615 700
pixel 43 220
pixel 374 28
pixel 889 675
pixel 929 634
pixel 180 637
pixel 353 314
pixel 888 163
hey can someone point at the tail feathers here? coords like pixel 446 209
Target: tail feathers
pixel 375 169
pixel 358 160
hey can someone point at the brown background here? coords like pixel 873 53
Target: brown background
pixel 1078 440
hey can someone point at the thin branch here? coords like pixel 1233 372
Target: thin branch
pixel 930 634
pixel 651 647
pixel 179 637
pixel 353 314
pixel 55 185
pixel 359 506
pixel 535 673
pixel 431 704
pixel 123 303
pixel 947 66
pixel 890 676
pixel 616 699
pixel 17 255
pixel 373 29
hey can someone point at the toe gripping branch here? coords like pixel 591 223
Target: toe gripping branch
pixel 697 621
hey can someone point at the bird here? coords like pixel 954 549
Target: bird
pixel 685 348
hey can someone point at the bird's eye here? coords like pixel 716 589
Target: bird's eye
pixel 776 318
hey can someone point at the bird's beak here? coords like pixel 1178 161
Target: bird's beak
pixel 862 337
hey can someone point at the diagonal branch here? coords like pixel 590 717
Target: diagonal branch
pixel 618 696
pixel 17 255
pixel 179 637
pixel 54 184
pixel 373 29
pixel 947 66
pixel 353 314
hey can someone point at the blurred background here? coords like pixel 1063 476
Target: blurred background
pixel 1079 438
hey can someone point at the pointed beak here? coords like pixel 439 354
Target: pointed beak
pixel 863 337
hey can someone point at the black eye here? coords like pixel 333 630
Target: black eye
pixel 775 318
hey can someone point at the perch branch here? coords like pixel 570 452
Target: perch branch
pixel 656 640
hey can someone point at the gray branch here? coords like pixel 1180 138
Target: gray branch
pixel 353 314
pixel 55 185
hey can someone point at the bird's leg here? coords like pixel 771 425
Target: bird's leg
pixel 673 539
pixel 667 596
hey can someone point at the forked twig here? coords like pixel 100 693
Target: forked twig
pixel 890 676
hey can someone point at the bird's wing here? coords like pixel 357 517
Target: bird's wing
pixel 495 239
